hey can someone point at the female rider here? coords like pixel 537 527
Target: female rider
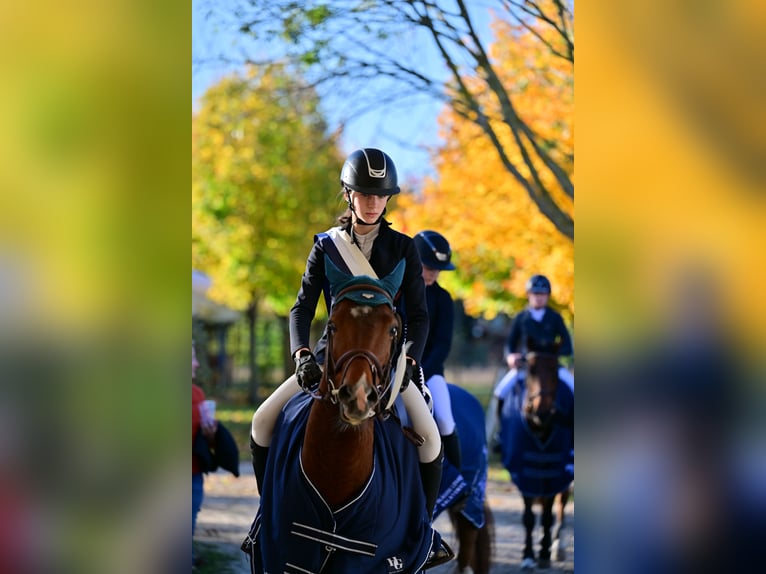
pixel 436 255
pixel 368 180
pixel 539 324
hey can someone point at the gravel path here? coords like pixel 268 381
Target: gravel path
pixel 230 505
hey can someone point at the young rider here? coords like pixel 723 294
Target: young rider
pixel 368 180
pixel 435 255
pixel 543 326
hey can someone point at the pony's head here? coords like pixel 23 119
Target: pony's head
pixel 542 380
pixel 363 333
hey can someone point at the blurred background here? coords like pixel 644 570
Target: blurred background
pixel 670 118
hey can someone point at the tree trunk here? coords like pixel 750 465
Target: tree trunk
pixel 288 363
pixel 252 316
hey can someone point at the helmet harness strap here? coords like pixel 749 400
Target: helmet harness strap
pixel 357 219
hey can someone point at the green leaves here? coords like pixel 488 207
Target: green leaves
pixel 318 15
pixel 298 19
pixel 310 57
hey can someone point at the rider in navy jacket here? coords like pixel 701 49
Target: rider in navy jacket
pixel 543 326
pixel 436 254
pixel 549 329
pixel 441 315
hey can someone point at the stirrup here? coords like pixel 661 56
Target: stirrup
pixel 440 556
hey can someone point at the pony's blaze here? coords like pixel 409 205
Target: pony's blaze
pixel 355 405
pixel 360 311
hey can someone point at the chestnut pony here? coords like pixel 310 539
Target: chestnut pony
pixel 342 489
pixel 463 491
pixel 340 431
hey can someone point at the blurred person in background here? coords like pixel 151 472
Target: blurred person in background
pixel 674 442
pixel 20 524
pixel 201 423
pixel 542 325
pixel 436 256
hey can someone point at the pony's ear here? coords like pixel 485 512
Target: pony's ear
pixel 335 276
pixel 393 280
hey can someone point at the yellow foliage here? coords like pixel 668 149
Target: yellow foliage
pixel 248 191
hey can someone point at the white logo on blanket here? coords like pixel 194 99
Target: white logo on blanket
pixel 395 564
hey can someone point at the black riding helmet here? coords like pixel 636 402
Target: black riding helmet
pixel 539 284
pixel 434 250
pixel 370 171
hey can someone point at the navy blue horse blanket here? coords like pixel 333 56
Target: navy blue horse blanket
pixel 538 468
pixel 470 481
pixel 385 530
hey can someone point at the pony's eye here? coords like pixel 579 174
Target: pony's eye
pixel 394 331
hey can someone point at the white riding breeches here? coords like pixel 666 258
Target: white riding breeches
pixel 512 377
pixel 442 404
pixel 265 417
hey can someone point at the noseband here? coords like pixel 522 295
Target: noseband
pixel 381 374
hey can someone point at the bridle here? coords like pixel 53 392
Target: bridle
pixel 381 374
pixel 529 397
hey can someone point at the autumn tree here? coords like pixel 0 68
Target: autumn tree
pixel 498 236
pixel 352 47
pixel 264 172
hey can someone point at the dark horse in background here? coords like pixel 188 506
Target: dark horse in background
pixel 341 489
pixel 537 445
pixel 463 491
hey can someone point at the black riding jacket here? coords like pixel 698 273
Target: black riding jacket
pixel 441 320
pixel 387 250
pixel 544 333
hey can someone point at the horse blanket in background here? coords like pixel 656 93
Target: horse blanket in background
pixel 537 468
pixel 385 530
pixel 470 481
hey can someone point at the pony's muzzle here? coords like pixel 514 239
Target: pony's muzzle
pixel 357 401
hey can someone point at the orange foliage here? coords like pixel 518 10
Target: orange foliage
pixel 499 237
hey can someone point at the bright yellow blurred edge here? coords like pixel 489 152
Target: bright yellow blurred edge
pixel 654 195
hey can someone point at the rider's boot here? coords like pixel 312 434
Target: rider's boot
pixel 452 453
pixel 259 454
pixel 431 474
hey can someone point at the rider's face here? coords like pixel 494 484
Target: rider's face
pixel 368 207
pixel 538 300
pixel 430 275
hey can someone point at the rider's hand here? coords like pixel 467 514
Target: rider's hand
pixel 307 370
pixel 513 360
pixel 412 372
pixel 209 429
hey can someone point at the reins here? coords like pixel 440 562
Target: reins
pixel 381 374
pixel 524 363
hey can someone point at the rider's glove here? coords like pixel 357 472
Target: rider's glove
pixel 307 370
pixel 412 372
